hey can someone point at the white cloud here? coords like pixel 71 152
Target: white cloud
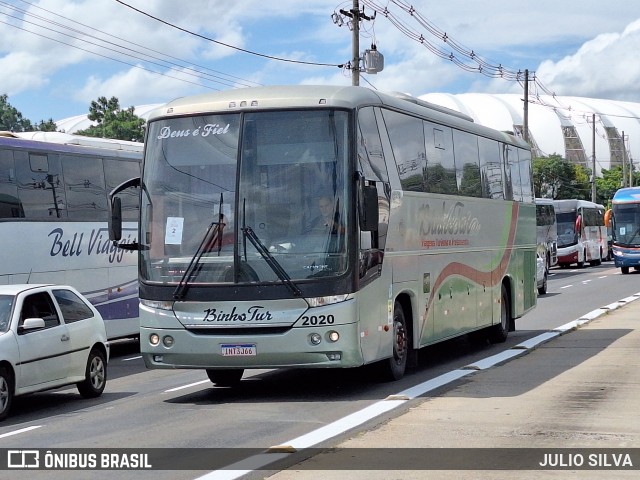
pixel 581 47
pixel 603 67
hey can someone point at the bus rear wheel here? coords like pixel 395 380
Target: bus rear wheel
pixel 500 331
pixel 225 378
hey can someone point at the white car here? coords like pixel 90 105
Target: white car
pixel 541 274
pixel 50 336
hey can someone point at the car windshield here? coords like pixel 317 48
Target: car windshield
pixel 6 303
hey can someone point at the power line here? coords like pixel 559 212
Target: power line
pixel 184 69
pixel 104 56
pixel 270 57
pixel 464 57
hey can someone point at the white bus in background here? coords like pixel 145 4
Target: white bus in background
pixel 430 231
pixel 53 219
pixel 582 234
pixel 547 230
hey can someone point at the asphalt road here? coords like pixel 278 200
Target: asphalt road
pixel 182 409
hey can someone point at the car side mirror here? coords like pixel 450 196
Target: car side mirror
pixel 31 324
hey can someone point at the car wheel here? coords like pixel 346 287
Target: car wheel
pixel 95 377
pixel 225 378
pixel 624 270
pixel 500 331
pixel 542 290
pixel 6 392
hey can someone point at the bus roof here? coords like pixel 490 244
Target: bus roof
pixel 573 204
pixel 310 96
pixel 66 143
pixel 627 195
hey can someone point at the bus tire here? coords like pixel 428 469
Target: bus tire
pixel 6 392
pixel 394 367
pixel 95 377
pixel 225 378
pixel 500 331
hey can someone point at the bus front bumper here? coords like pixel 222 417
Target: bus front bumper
pixel 293 349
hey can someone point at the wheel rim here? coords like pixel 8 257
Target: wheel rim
pixel 4 394
pixel 400 344
pixel 96 372
pixel 504 315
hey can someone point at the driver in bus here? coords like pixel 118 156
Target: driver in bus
pixel 329 219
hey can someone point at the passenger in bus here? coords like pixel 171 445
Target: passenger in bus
pixel 329 219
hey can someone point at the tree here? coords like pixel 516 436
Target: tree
pixel 113 122
pixel 608 184
pixel 11 120
pixel 556 178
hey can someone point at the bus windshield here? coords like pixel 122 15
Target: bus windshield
pixel 254 197
pixel 627 224
pixel 567 234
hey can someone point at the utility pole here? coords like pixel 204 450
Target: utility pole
pixel 624 163
pixel 593 158
pixel 373 60
pixel 526 105
pixel 630 162
pixel 355 51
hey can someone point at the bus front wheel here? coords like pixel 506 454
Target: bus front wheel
pixel 393 368
pixel 225 378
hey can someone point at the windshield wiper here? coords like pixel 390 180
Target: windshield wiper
pixel 212 236
pixel 271 261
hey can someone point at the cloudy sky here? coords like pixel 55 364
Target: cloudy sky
pixel 56 56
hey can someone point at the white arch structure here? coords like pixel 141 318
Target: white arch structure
pixel 558 125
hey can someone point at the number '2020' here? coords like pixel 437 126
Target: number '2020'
pixel 318 320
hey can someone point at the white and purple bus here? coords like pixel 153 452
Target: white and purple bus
pixel 53 219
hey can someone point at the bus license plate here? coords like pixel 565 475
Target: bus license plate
pixel 244 350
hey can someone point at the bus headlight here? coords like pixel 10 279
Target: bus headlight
pixel 329 300
pixel 315 338
pixel 154 339
pixel 167 341
pixel 333 336
pixel 156 304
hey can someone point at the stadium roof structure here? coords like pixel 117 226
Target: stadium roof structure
pixel 557 125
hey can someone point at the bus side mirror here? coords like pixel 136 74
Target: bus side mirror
pixel 369 209
pixel 115 214
pixel 115 220
pixel 608 217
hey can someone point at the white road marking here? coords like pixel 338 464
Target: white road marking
pixel 22 430
pixel 131 358
pixel 187 386
pixel 368 413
